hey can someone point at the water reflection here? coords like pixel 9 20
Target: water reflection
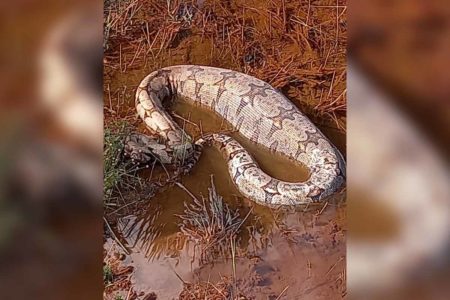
pixel 270 244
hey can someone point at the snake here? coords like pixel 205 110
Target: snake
pixel 257 111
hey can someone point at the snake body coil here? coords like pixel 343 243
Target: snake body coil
pixel 257 111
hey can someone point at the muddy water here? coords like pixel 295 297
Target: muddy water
pixel 280 254
pixel 272 163
pixel 300 252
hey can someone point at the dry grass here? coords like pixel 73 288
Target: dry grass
pixel 297 46
pixel 222 290
pixel 210 224
pixel 206 290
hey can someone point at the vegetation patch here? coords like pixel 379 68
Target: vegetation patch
pixel 118 174
pixel 210 223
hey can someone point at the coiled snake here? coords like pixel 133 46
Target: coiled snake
pixel 257 111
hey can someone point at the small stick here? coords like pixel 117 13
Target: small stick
pixel 201 128
pixel 136 54
pixel 279 297
pixel 184 119
pixel 333 266
pixel 123 206
pixel 186 190
pixel 323 208
pixel 309 268
pixel 118 99
pixel 243 25
pixel 248 214
pixel 306 207
pixel 219 291
pixel 179 277
pixel 151 172
pixel 115 237
pixel 309 10
pixel 233 253
pixel 331 86
pixel 109 95
pixel 120 58
pixel 221 124
pixel 129 293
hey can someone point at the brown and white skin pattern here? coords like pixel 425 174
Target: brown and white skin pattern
pixel 257 111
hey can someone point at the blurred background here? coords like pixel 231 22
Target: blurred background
pixel 51 228
pixel 398 144
pixel 51 150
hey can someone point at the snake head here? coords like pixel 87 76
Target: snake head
pixel 137 148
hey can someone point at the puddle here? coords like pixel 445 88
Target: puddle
pixel 276 248
pixel 298 253
pixel 273 164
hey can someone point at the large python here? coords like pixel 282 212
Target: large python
pixel 257 111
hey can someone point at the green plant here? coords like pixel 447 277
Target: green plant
pixel 116 172
pixel 108 275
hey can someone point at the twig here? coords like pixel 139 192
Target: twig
pixel 184 119
pixel 333 266
pixel 285 289
pixel 248 214
pixel 115 237
pixel 186 190
pixel 179 277
pixel 129 293
pixel 323 208
pixel 233 256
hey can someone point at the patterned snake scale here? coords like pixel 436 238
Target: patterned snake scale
pixel 257 111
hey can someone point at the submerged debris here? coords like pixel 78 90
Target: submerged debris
pixel 210 223
pixel 222 290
